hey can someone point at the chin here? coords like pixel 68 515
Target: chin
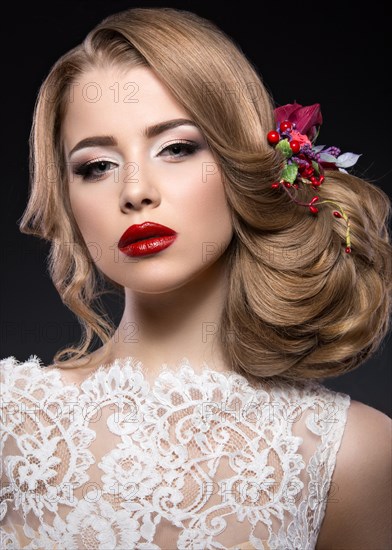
pixel 154 280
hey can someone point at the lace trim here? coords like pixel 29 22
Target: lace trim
pixel 180 445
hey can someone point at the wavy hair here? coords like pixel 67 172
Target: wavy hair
pixel 298 306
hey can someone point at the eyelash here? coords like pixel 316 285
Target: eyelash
pixel 86 170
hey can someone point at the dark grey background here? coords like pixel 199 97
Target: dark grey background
pixel 328 53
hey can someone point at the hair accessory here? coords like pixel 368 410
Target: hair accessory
pixel 296 131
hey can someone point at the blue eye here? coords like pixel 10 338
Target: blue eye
pixel 179 149
pixel 94 170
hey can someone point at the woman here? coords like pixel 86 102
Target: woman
pixel 201 422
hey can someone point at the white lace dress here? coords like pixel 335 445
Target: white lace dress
pixel 196 460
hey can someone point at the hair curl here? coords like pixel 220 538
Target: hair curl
pixel 297 305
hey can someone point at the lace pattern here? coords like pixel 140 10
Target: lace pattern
pixel 193 460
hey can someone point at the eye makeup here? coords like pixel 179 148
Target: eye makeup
pixel 95 169
pixel 190 147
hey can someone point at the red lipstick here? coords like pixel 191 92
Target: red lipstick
pixel 146 238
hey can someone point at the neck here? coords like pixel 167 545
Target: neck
pixel 165 327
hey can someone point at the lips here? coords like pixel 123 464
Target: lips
pixel 144 231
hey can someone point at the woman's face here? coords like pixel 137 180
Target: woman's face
pixel 129 171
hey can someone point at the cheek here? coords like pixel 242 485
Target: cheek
pixel 209 214
pixel 89 212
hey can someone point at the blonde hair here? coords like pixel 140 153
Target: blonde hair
pixel 298 306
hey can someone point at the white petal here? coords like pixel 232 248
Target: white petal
pixel 326 157
pixel 347 159
pixel 318 148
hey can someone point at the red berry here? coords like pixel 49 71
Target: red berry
pixel 275 185
pixel 306 171
pixel 295 145
pixel 273 137
pixel 313 209
pixel 285 125
pixel 348 249
pixel 337 214
pixel 314 199
pixel 287 184
pixel 321 179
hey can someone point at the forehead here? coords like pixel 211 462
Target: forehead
pixel 111 97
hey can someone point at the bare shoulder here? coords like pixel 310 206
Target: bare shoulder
pixel 81 368
pixel 358 512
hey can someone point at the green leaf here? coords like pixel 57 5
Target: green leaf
pixel 290 172
pixel 316 167
pixel 284 147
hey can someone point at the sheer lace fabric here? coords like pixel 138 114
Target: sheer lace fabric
pixel 196 459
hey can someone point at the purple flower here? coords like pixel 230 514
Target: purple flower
pixel 306 119
pixel 334 151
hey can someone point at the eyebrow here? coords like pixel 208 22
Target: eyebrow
pixel 149 132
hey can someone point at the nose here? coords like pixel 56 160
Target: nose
pixel 138 189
